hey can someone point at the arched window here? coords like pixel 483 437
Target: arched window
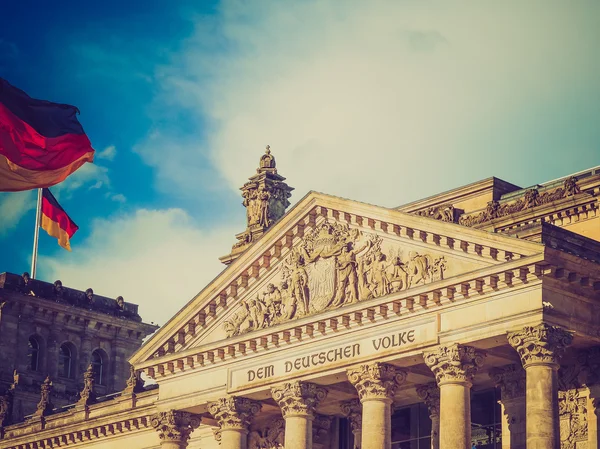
pixel 33 354
pixel 65 361
pixel 99 366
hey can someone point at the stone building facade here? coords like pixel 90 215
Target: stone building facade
pixel 466 319
pixel 48 330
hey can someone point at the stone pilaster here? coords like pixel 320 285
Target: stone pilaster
pixel 234 415
pixel 511 381
pixel 376 385
pixel 321 431
pixel 353 411
pixel 174 428
pixel 430 395
pixel 454 367
pixel 298 401
pixel 540 348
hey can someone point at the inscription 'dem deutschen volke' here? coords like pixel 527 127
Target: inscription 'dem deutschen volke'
pixel 315 359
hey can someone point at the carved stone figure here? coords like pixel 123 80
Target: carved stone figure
pixel 572 410
pixel 271 437
pixel 45 405
pixel 445 212
pixel 87 395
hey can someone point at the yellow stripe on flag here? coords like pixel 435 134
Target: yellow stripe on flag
pixel 54 230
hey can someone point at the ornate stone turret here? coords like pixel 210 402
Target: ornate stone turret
pixel 45 405
pixel 265 199
pixel 87 396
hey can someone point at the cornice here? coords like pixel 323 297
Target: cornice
pixel 203 310
pixel 407 304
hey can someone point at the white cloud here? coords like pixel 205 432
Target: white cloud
pixel 382 101
pixel 118 197
pixel 108 153
pixel 13 207
pixel 91 175
pixel 156 258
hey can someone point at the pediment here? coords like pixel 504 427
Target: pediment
pixel 328 253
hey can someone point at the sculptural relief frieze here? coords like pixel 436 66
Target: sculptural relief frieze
pixel 531 198
pixel 335 265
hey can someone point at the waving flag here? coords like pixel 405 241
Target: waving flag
pixel 55 220
pixel 41 143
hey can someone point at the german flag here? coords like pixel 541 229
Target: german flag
pixel 55 220
pixel 41 143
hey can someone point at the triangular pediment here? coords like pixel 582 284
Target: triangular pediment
pixel 328 253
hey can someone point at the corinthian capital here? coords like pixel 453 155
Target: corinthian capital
pixel 430 395
pixel 511 380
pixel 376 380
pixel 298 398
pixel 174 425
pixel 541 344
pixel 233 412
pixel 353 411
pixel 454 363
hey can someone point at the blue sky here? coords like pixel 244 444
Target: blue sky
pixel 383 101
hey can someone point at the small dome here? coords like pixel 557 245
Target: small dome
pixel 267 160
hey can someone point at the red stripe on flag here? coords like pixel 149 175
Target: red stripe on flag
pixel 24 146
pixel 56 213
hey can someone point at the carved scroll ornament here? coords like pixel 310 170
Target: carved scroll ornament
pixel 540 344
pixel 234 412
pixel 511 380
pixel 376 380
pixel 454 363
pixel 334 266
pixel 298 398
pixel 530 199
pixel 174 425
pixel 430 395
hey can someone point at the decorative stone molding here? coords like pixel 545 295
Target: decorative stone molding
pixel 298 398
pixel 541 344
pixel 87 395
pixel 511 381
pixel 334 265
pixel 270 437
pixel 531 198
pixel 353 411
pixel 234 413
pixel 174 425
pixel 454 363
pixel 430 394
pixel 376 380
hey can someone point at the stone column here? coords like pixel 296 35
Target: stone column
pixel 376 385
pixel 540 348
pixel 430 394
pixel 353 411
pixel 174 428
pixel 511 381
pixel 454 367
pixel 298 401
pixel 234 416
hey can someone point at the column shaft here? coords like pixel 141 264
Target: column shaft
pixel 435 432
pixel 234 438
pixel 541 397
pixel 377 424
pixel 298 432
pixel 455 413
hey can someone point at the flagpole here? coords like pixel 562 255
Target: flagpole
pixel 36 235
